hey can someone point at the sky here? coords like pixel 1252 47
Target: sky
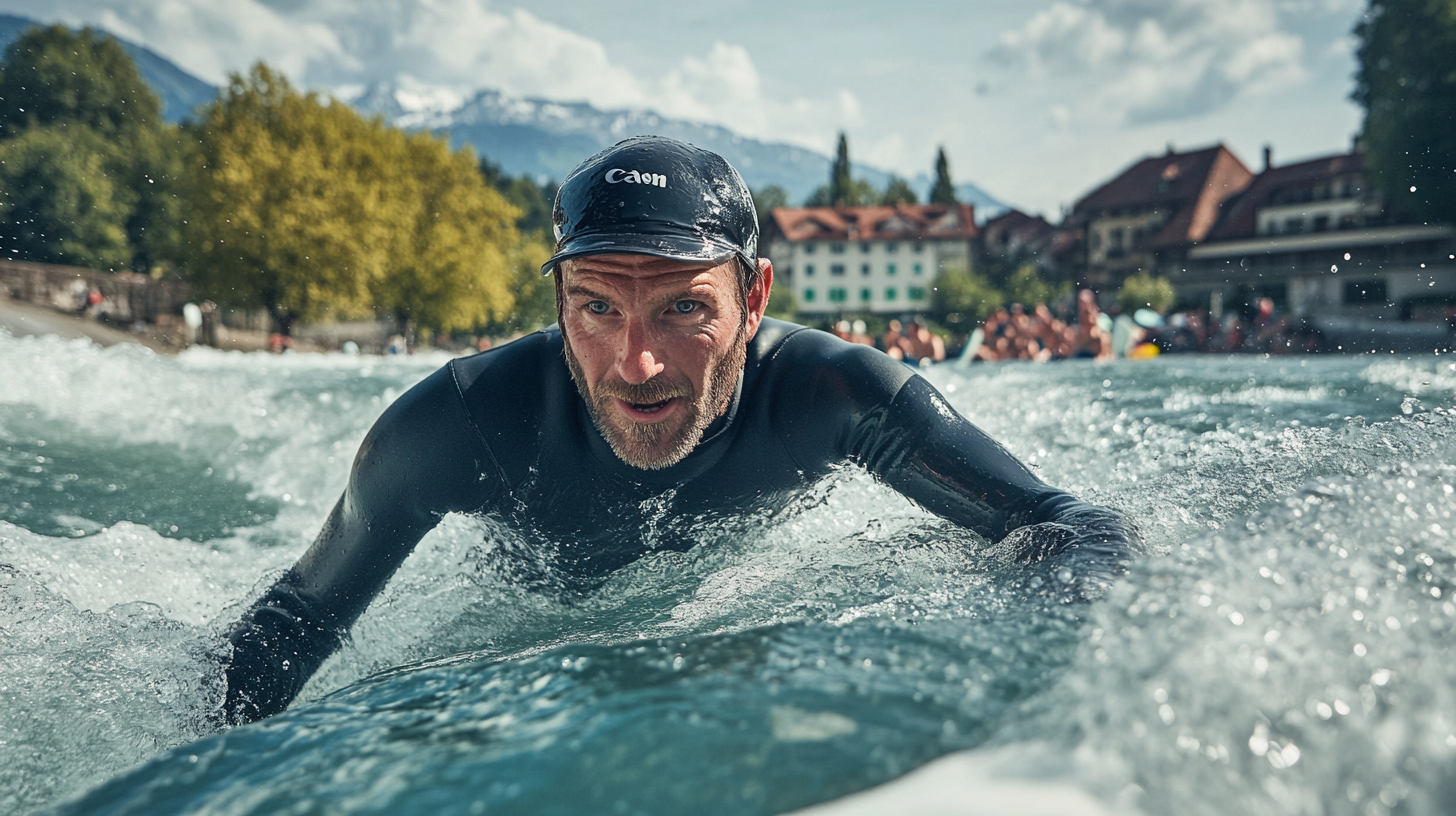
pixel 1036 101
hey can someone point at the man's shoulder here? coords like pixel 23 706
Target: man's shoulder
pixel 525 356
pixel 792 354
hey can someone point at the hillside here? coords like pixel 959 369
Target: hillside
pixel 538 137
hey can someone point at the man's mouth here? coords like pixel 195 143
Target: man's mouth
pixel 647 411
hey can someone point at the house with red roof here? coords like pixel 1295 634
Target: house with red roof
pixel 879 259
pixel 1317 239
pixel 1149 216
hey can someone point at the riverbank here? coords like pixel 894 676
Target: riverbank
pixel 29 320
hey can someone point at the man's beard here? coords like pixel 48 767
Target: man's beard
pixel 656 445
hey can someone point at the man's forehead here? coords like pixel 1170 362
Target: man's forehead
pixel 641 268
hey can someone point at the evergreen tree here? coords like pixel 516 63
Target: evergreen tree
pixel 841 180
pixel 944 190
pixel 1406 81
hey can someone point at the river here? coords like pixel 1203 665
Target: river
pixel 1281 650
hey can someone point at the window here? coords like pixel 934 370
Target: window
pixel 836 248
pixel 1359 293
pixel 810 247
pixel 808 270
pixel 919 270
pixel 890 293
pixel 809 295
pixel 864 269
pixel 892 247
pixel 1321 223
pixel 1293 226
pixel 837 295
pixel 889 269
pixel 865 294
pixel 864 247
pixel 915 293
pixel 918 247
pixel 836 269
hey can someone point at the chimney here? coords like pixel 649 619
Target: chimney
pixel 1268 157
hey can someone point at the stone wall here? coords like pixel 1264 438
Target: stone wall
pixel 126 296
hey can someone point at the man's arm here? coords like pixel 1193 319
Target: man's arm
pixel 924 449
pixel 421 460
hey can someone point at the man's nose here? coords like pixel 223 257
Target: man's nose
pixel 639 363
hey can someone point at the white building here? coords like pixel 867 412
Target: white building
pixel 867 259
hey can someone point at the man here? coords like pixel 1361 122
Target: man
pixel 664 401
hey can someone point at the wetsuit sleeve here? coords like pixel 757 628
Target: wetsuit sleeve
pixel 923 448
pixel 421 460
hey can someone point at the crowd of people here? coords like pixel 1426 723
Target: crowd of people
pixel 911 342
pixel 1044 334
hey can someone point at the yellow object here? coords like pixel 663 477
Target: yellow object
pixel 1145 351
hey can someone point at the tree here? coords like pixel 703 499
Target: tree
pixel 962 298
pixel 1027 287
pixel 83 84
pixel 860 193
pixel 307 209
pixel 58 204
pixel 944 190
pixel 535 201
pixel 1145 291
pixel 55 76
pixel 781 301
pixel 1406 81
pixel 898 191
pixel 450 265
pixel 841 178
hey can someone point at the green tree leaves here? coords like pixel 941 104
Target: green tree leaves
pixel 58 203
pixel 1406 82
pixel 1143 291
pixel 95 166
pixel 306 208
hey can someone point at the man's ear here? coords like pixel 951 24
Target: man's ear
pixel 758 296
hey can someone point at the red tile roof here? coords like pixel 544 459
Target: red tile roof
pixel 1240 213
pixel 1192 184
pixel 901 222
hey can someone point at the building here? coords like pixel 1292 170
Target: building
pixel 1317 239
pixel 1013 238
pixel 1150 215
pixel 880 259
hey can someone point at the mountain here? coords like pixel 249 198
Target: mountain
pixel 179 91
pixel 545 139
pixel 537 137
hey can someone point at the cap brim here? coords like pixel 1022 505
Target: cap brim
pixel 678 248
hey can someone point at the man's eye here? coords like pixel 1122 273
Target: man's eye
pixel 685 306
pixel 598 307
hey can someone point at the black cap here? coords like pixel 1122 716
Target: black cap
pixel 651 195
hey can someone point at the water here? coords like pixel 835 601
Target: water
pixel 1279 652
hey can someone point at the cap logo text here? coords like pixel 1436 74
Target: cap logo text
pixel 633 177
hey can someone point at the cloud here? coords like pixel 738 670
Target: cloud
pixel 208 39
pixel 442 49
pixel 1141 61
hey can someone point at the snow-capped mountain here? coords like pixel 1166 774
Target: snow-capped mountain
pixel 537 137
pixel 546 139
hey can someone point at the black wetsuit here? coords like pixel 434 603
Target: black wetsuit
pixel 506 434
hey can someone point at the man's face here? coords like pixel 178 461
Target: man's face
pixel 656 347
